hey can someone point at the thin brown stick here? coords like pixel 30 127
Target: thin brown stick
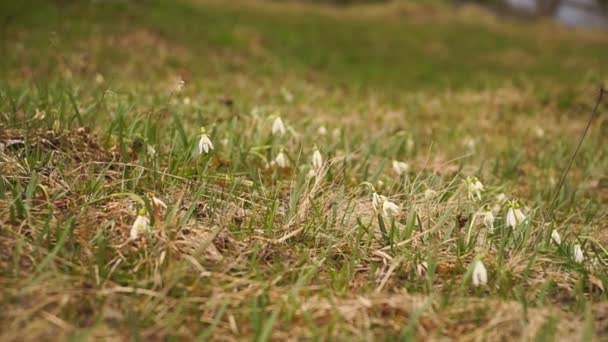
pixel 600 95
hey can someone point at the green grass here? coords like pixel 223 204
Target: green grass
pixel 92 129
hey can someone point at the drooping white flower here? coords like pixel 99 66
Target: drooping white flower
pixel 488 220
pixel 514 215
pixel 578 254
pixel 179 85
pixel 204 143
pixel 150 150
pixel 555 237
pixel 400 167
pixel 480 274
pixel 474 188
pixel 278 128
pixel 141 224
pixel 429 194
pixel 539 131
pixel 281 160
pixel 322 130
pixel 390 209
pixel 501 198
pixel 317 160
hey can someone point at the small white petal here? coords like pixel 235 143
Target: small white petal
pixel 555 237
pixel 140 225
pixel 400 167
pixel 204 144
pixel 390 209
pixel 480 274
pixel 322 130
pixel 151 151
pixel 429 193
pixel 317 160
pixel 281 160
pixel 278 127
pixel 488 220
pixel 578 254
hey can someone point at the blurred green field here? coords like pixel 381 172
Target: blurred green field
pixel 357 222
pixel 401 48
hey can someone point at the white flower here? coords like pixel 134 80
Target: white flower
pixel 150 150
pixel 390 209
pixel 322 130
pixel 474 188
pixel 317 160
pixel 488 220
pixel 555 237
pixel 179 85
pixel 429 194
pixel 578 254
pixel 539 131
pixel 278 127
pixel 470 143
pixel 480 275
pixel 281 160
pixel 204 143
pixel 400 167
pixel 141 224
pixel 514 215
pixel 158 202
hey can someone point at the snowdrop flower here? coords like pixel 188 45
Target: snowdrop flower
pixel 179 85
pixel 281 160
pixel 278 128
pixel 390 209
pixel 429 194
pixel 400 167
pixel 322 130
pixel 488 220
pixel 470 143
pixel 317 160
pixel 514 215
pixel 150 150
pixel 474 187
pixel 578 254
pixel 141 224
pixel 204 144
pixel 480 275
pixel 555 237
pixel 539 131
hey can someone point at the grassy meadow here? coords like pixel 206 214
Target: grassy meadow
pixel 267 170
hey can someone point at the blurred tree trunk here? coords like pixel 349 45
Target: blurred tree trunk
pixel 547 8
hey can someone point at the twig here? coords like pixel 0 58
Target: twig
pixel 578 147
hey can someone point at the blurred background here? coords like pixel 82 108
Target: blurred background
pixel 354 44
